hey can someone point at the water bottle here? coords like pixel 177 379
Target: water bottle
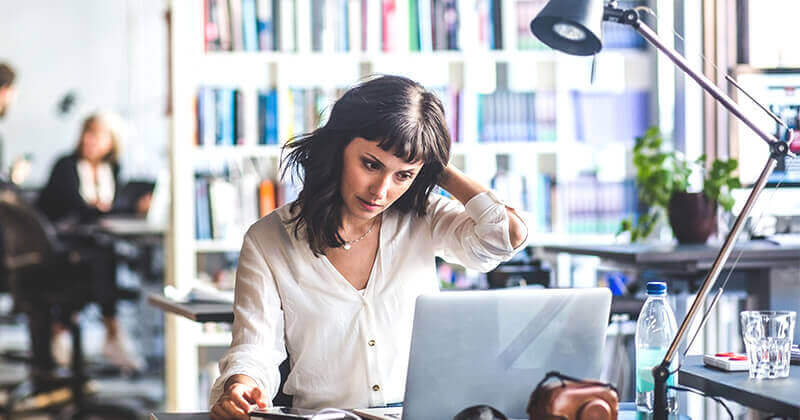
pixel 655 330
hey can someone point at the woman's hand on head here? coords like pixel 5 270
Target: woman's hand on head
pixel 237 401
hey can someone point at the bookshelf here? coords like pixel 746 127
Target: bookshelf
pixel 487 82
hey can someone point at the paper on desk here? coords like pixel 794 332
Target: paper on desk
pixel 200 292
pixel 785 239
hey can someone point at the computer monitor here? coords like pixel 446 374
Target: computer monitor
pixel 778 90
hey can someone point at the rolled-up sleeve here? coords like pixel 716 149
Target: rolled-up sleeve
pixel 258 344
pixel 475 235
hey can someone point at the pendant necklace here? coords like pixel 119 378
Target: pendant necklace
pixel 349 244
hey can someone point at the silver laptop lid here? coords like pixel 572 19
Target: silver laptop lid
pixel 493 347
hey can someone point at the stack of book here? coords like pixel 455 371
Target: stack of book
pixel 505 116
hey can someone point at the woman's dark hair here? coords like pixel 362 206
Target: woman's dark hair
pixel 397 113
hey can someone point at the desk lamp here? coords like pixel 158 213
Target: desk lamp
pixel 573 26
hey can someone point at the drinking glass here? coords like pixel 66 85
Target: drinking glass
pixel 768 339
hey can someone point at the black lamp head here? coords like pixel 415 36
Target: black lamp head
pixel 571 26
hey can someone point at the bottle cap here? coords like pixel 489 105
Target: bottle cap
pixel 656 288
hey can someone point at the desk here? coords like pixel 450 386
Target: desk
pixel 776 396
pixel 223 312
pixel 688 259
pixel 625 413
pixel 773 271
pixel 196 311
pixel 130 227
pixel 202 415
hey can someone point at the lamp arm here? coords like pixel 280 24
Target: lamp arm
pixel 631 17
pixel 661 373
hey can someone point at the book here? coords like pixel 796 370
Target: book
pixel 235 19
pixel 202 211
pixel 266 197
pixel 249 25
pixel 223 201
pixel 223 24
pixel 264 25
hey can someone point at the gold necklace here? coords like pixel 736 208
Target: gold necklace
pixel 349 244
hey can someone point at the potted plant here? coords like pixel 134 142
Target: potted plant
pixel 662 178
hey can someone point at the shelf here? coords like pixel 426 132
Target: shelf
pixel 257 61
pixel 228 152
pixel 549 238
pixel 232 57
pixel 531 147
pixel 213 245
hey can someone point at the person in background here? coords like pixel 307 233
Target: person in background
pixel 81 187
pixel 21 166
pixel 332 277
pixel 82 184
pixel 8 91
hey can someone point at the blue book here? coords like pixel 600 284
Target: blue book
pixel 262 118
pixel 249 25
pixel 202 212
pixel 272 117
pixel 265 28
pixel 226 117
pixel 268 117
pixel 604 117
pixel 201 119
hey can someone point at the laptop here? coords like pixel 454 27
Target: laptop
pixel 493 347
pixel 155 220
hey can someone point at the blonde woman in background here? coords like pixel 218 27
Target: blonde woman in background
pixel 81 187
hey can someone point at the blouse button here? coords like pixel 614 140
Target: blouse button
pixel 376 387
pixel 371 343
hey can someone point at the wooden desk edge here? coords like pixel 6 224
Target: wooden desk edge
pixel 169 305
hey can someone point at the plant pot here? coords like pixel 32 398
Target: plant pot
pixel 692 216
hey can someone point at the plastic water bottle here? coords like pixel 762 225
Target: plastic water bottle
pixel 655 330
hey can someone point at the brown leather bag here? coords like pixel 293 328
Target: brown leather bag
pixel 572 399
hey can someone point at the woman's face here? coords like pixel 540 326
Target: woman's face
pixel 372 178
pixel 96 142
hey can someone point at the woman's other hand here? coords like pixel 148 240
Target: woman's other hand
pixel 241 393
pixel 143 203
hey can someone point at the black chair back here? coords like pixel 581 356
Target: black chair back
pixel 28 237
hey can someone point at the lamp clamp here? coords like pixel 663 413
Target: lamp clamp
pixel 612 13
pixel 789 146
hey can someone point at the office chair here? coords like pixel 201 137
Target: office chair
pixel 282 399
pixel 44 276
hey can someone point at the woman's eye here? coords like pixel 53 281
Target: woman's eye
pixel 370 165
pixel 404 176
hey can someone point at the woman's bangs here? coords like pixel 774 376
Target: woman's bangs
pixel 411 147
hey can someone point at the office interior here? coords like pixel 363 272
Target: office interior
pixel 204 105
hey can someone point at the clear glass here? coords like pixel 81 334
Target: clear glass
pixel 768 338
pixel 655 330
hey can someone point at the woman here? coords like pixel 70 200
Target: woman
pixel 81 187
pixel 82 184
pixel 332 277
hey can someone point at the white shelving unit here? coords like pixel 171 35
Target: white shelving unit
pixel 473 72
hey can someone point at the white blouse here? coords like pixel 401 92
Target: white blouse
pixel 99 189
pixel 347 349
